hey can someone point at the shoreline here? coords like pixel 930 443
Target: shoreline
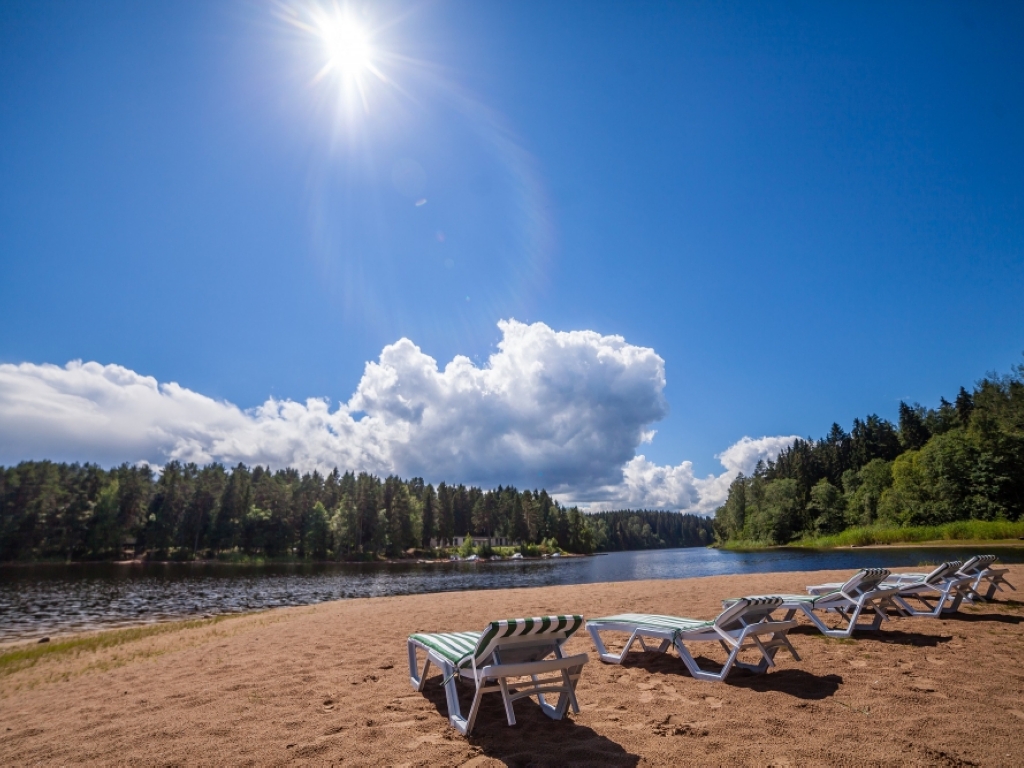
pixel 933 544
pixel 261 563
pixel 330 683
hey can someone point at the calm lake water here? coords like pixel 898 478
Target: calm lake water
pixel 44 600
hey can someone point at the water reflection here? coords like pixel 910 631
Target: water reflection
pixel 40 600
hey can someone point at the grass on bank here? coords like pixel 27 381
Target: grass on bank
pixel 22 657
pixel 863 536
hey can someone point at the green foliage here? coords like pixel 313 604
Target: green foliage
pixel 54 511
pixel 963 461
pixel 961 530
pixel 827 508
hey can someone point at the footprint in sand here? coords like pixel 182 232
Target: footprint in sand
pixel 676 725
pixel 1016 713
pixel 925 686
pixel 857 663
pixel 934 660
pixel 713 702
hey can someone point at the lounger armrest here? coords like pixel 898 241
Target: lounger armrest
pixel 495 671
pixel 766 627
pixel 882 590
pixel 738 634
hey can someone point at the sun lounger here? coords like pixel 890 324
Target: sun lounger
pixel 980 569
pixel 745 624
pixel 944 585
pixel 863 593
pixel 946 570
pixel 518 657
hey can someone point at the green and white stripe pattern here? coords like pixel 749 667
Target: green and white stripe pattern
pixel 653 620
pixel 463 648
pixel 864 580
pixel 735 610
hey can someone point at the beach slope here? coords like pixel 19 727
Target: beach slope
pixel 329 684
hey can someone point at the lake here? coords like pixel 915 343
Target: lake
pixel 45 600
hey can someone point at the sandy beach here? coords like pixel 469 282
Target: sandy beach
pixel 329 684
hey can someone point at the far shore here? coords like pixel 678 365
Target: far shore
pixel 960 543
pixel 935 543
pixel 296 561
pixel 943 543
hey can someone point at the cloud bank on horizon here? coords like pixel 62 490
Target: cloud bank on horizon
pixel 565 411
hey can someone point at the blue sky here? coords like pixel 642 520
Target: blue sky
pixel 807 212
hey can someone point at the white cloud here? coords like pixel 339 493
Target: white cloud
pixel 560 410
pixel 648 485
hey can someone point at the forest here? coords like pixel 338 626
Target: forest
pixel 57 511
pixel 963 460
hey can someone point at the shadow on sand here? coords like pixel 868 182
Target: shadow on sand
pixel 1001 618
pixel 535 739
pixel 795 682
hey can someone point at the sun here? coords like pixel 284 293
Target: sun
pixel 347 45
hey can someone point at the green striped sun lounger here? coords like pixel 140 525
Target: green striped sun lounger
pixel 945 585
pixel 863 593
pixel 745 625
pixel 978 568
pixel 516 657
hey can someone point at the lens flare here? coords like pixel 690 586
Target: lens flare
pixel 347 45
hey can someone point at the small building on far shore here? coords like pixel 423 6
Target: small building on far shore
pixel 478 541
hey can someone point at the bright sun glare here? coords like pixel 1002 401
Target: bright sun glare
pixel 348 46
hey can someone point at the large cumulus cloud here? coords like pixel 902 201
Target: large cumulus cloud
pixel 562 410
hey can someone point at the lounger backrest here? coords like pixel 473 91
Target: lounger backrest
pixel 977 564
pixel 747 610
pixel 944 571
pixel 864 581
pixel 545 629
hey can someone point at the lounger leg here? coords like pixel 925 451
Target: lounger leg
pixel 696 671
pixel 603 653
pixel 570 684
pixel 418 679
pixel 503 684
pixel 475 708
pixel 821 625
pixel 783 640
pixel 452 695
pixel 957 598
pixel 662 646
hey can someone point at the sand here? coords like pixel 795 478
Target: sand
pixel 329 684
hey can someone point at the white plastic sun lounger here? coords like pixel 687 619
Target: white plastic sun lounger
pixel 518 657
pixel 980 569
pixel 944 585
pixel 743 625
pixel 947 570
pixel 895 579
pixel 863 593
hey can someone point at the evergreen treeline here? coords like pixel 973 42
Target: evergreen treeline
pixel 74 512
pixel 962 460
pixel 629 529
